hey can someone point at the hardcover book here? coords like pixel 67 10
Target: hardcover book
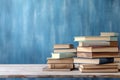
pixel 61 46
pixel 97 49
pixel 60 66
pixel 112 70
pixel 62 61
pixel 63 55
pixel 64 50
pixel 109 34
pixel 98 43
pixel 96 61
pixel 97 54
pixel 95 38
pixel 99 66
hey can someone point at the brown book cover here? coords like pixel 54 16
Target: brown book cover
pixel 63 60
pixel 99 70
pixel 61 46
pixel 64 50
pixel 99 66
pixel 97 49
pixel 114 43
pixel 48 69
pixel 60 66
pixel 97 54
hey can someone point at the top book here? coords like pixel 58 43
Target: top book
pixel 95 38
pixel 62 46
pixel 109 34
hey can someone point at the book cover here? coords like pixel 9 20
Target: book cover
pixel 99 66
pixel 63 60
pixel 98 43
pixel 64 55
pixel 95 61
pixel 109 34
pixel 97 54
pixel 95 38
pixel 60 66
pixel 61 46
pixel 113 70
pixel 93 43
pixel 60 70
pixel 64 50
pixel 97 49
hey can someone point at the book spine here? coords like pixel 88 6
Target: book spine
pixel 63 55
pixel 65 61
pixel 60 66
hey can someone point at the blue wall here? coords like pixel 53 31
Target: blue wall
pixel 29 28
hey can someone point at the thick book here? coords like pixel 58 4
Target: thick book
pixel 96 61
pixel 60 66
pixel 97 54
pixel 61 46
pixel 95 38
pixel 63 61
pixel 97 49
pixel 98 66
pixel 98 43
pixel 109 34
pixel 64 55
pixel 112 70
pixel 60 70
pixel 64 50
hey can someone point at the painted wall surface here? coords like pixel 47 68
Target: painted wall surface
pixel 29 28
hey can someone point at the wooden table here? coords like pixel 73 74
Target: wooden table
pixel 35 71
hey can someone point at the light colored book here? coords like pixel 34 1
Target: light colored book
pixel 58 61
pixel 109 34
pixel 108 70
pixel 95 38
pixel 63 46
pixel 94 43
pixel 63 55
pixel 64 50
pixel 96 60
pixel 98 66
pixel 97 49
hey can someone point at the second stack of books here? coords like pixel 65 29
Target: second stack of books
pixel 62 58
pixel 97 53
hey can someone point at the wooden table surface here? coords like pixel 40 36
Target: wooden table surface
pixel 35 71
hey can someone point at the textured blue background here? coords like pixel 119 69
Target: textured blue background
pixel 29 28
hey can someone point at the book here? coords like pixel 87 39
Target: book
pixel 109 34
pixel 64 50
pixel 64 55
pixel 95 38
pixel 98 43
pixel 97 49
pixel 94 43
pixel 61 46
pixel 98 66
pixel 77 65
pixel 112 70
pixel 97 54
pixel 96 60
pixel 60 66
pixel 63 60
pixel 48 69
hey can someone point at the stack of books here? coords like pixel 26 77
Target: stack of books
pixel 97 53
pixel 62 58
